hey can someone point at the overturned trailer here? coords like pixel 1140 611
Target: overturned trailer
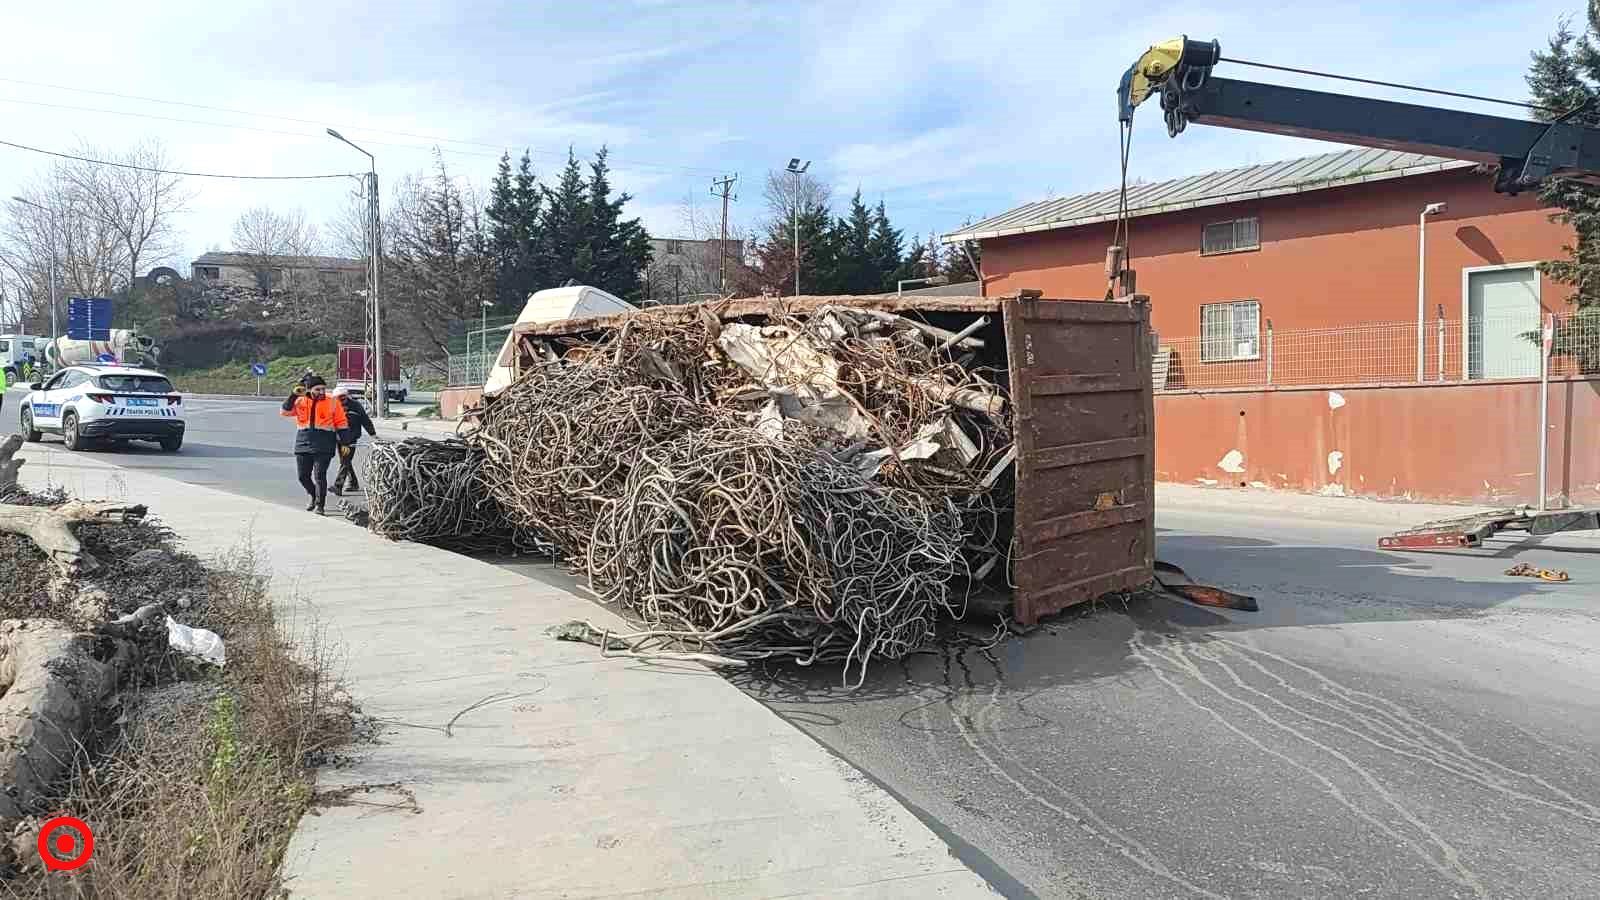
pixel 1082 415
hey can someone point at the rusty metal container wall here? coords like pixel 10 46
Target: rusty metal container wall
pixel 1081 391
pixel 1085 513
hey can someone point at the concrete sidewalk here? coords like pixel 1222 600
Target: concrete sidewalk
pixel 591 777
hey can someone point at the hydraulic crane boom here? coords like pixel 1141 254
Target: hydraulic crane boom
pixel 1525 152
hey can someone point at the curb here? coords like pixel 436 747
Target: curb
pixel 260 399
pixel 1329 510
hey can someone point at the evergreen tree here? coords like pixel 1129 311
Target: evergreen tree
pixel 502 217
pixel 851 239
pixel 957 267
pixel 921 260
pixel 774 255
pixel 564 228
pixel 618 250
pixel 885 250
pixel 513 233
pixel 1565 76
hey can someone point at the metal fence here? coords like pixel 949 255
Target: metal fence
pixel 1379 353
pixel 473 345
pixel 470 369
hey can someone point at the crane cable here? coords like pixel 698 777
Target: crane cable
pixel 1119 236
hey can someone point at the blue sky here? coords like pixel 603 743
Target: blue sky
pixel 947 111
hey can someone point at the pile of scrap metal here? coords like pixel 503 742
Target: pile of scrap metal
pixel 818 487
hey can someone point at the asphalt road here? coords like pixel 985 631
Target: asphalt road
pixel 241 446
pixel 1389 725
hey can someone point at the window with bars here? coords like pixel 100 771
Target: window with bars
pixel 1231 237
pixel 1230 331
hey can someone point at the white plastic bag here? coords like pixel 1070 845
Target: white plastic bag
pixel 196 641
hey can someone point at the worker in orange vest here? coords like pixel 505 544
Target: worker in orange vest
pixel 319 419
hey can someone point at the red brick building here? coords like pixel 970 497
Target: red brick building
pixel 1318 242
pixel 1285 296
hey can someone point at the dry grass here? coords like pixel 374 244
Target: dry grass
pixel 197 784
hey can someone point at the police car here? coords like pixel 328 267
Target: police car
pixel 105 402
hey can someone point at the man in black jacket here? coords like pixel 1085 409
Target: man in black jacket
pixel 348 438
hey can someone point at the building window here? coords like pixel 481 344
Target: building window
pixel 1231 237
pixel 674 248
pixel 1230 331
pixel 206 273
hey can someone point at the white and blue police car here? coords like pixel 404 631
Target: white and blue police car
pixel 109 402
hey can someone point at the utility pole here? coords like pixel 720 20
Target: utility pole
pixel 376 375
pixel 726 183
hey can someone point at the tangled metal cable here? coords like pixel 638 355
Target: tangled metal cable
pixel 433 492
pixel 641 457
pixel 757 547
pixel 560 441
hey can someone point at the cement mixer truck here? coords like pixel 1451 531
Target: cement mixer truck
pixel 126 346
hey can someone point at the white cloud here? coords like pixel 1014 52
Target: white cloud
pixel 946 109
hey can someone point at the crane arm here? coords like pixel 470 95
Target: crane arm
pixel 1525 152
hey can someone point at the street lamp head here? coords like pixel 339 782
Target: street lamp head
pixel 794 163
pixel 335 134
pixel 486 303
pixel 1433 209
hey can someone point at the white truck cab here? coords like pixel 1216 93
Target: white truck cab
pixel 14 351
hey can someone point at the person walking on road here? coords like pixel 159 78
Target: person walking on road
pixel 3 388
pixel 348 439
pixel 318 418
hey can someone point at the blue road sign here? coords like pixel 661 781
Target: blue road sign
pixel 89 319
pixel 106 358
pixel 258 370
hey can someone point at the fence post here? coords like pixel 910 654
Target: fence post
pixel 1269 351
pixel 1441 342
pixel 1547 339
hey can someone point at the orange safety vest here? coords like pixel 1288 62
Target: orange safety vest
pixel 324 413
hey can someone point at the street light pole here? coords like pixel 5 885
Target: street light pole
pixel 483 337
pixel 1432 209
pixel 50 215
pixel 379 382
pixel 797 168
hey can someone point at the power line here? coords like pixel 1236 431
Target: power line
pixel 102 162
pixel 549 154
pixel 1388 84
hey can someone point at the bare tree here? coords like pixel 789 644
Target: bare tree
pixel 346 231
pixel 266 236
pixel 49 231
pixel 96 225
pixel 782 188
pixel 438 264
pixel 135 201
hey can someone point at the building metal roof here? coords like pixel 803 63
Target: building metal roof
pixel 250 260
pixel 1293 176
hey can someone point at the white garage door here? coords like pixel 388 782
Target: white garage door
pixel 1502 309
